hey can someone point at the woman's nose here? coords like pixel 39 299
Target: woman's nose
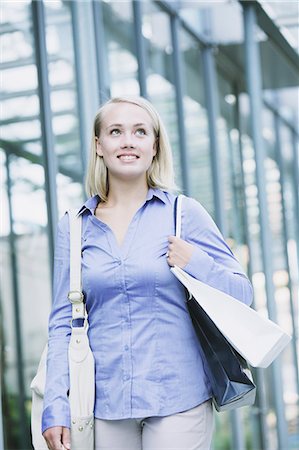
pixel 128 140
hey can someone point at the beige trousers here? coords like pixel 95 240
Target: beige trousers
pixel 189 430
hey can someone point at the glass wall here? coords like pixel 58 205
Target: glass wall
pixel 25 260
pixel 120 48
pixel 170 66
pixel 160 83
pixel 64 104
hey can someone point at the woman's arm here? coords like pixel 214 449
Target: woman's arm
pixel 204 254
pixel 56 405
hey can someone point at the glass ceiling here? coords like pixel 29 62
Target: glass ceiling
pixel 285 14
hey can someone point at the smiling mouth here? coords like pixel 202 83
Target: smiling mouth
pixel 127 157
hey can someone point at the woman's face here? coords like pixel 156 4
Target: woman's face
pixel 127 141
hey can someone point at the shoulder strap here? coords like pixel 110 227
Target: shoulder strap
pixel 178 215
pixel 75 294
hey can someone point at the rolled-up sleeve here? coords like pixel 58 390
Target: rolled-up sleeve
pixel 212 261
pixel 56 406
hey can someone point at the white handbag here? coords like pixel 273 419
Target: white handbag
pixel 257 339
pixel 81 362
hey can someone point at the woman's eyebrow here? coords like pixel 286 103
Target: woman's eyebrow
pixel 140 124
pixel 114 125
pixel 120 125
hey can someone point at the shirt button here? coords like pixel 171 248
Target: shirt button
pixel 126 348
pixel 126 377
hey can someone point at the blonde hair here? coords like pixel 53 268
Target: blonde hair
pixel 159 175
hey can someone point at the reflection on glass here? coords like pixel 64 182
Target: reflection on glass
pixel 231 167
pixel 25 272
pixel 119 39
pixel 196 123
pixel 63 96
pixel 29 225
pixel 160 82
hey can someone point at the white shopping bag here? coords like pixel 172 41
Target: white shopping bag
pixel 257 339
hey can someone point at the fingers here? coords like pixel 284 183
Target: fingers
pixel 66 438
pixel 57 438
pixel 179 252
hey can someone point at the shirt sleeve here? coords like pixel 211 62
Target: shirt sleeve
pixel 212 261
pixel 56 405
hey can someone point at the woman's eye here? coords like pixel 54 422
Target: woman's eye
pixel 115 132
pixel 141 131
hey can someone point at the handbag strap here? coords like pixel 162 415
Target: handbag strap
pixel 178 215
pixel 75 294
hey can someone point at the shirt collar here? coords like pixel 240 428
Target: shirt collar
pixel 92 202
pixel 158 193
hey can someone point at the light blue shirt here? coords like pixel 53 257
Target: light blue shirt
pixel 146 352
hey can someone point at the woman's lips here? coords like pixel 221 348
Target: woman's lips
pixel 127 157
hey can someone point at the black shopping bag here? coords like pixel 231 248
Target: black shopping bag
pixel 228 373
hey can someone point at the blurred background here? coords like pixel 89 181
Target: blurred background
pixel 224 77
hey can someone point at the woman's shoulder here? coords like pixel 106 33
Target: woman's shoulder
pixel 190 205
pixel 195 215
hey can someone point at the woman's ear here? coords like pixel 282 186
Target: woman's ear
pixel 98 147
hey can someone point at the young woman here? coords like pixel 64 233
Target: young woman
pixel 152 392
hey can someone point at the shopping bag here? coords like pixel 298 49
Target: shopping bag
pixel 229 376
pixel 256 338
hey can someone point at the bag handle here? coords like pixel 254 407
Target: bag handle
pixel 75 294
pixel 178 215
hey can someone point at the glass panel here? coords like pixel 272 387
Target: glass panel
pixel 229 143
pixel 9 381
pixel 196 123
pixel 25 274
pixel 63 96
pixel 159 76
pixel 281 276
pixel 119 41
pixel 207 18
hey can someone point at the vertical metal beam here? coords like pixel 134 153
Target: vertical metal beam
pixel 260 438
pixel 212 102
pixel 22 416
pixel 50 164
pixel 2 360
pixel 285 235
pixel 140 46
pixel 101 51
pixel 254 87
pixel 87 87
pixel 178 81
pixel 295 143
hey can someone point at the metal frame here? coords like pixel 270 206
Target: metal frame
pixel 178 84
pixel 285 235
pixel 258 412
pixel 296 184
pixel 19 354
pixel 50 163
pixel 85 68
pixel 212 100
pixel 140 47
pixel 272 30
pixel 101 54
pixel 254 88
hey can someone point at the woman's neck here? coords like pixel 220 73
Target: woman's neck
pixel 123 193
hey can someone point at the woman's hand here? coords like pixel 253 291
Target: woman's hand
pixel 179 252
pixel 58 438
